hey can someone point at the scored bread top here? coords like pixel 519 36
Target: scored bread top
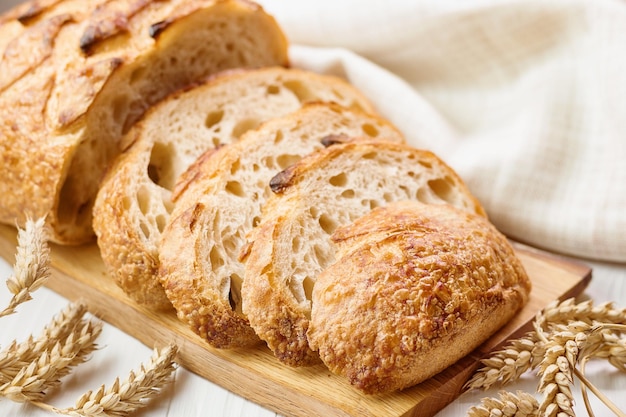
pixel 75 75
pixel 134 202
pixel 221 202
pixel 327 189
pixel 415 287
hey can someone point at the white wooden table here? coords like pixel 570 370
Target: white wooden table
pixel 192 396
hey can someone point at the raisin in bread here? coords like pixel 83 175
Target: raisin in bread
pixel 134 202
pixel 219 201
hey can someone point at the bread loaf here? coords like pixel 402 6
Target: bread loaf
pixel 220 202
pixel 134 202
pixel 75 75
pixel 415 287
pixel 327 189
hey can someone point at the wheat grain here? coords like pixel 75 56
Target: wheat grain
pixel 565 335
pixel 31 268
pixel 123 398
pixel 508 404
pixel 555 371
pixel 508 364
pixel 33 380
pixel 567 312
pixel 17 356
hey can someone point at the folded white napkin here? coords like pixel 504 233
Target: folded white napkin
pixel 526 100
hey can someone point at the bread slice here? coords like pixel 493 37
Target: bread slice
pixel 134 203
pixel 75 75
pixel 329 188
pixel 415 287
pixel 220 202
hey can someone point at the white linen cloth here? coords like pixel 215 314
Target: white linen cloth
pixel 526 100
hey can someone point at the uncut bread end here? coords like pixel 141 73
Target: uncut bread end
pixel 414 288
pixel 92 68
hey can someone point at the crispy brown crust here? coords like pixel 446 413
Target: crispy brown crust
pixel 108 20
pixel 269 289
pixel 415 288
pixel 193 296
pixel 282 325
pixel 200 247
pixel 126 257
pixel 84 60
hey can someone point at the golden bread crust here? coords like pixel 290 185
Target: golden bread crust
pixel 414 289
pixel 329 187
pixel 198 300
pixel 222 199
pixel 91 70
pixel 139 191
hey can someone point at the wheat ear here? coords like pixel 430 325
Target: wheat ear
pixel 19 355
pixel 44 372
pixel 566 336
pixel 123 398
pixel 508 404
pixel 31 268
pixel 507 365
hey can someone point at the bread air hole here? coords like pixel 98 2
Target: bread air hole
pixel 235 188
pixel 296 244
pixel 120 108
pixel 371 203
pixel 216 258
pixel 301 91
pixel 273 89
pixel 370 130
pixel 243 126
pixel 443 188
pixel 213 118
pixel 287 160
pixel 143 200
pixel 234 295
pixel 349 193
pixel 161 221
pixel 339 180
pixel 425 164
pixel 145 229
pixel 269 162
pixel 327 224
pixel 307 285
pixel 161 166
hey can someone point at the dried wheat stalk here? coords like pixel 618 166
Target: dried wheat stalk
pixel 520 404
pixel 36 378
pixel 18 355
pixel 31 268
pixel 566 336
pixel 28 370
pixel 123 398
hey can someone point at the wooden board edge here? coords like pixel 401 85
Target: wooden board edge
pixel 266 394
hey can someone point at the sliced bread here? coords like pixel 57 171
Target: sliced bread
pixel 134 202
pixel 75 75
pixel 415 287
pixel 219 202
pixel 327 189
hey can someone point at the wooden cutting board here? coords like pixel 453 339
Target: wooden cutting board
pixel 78 273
